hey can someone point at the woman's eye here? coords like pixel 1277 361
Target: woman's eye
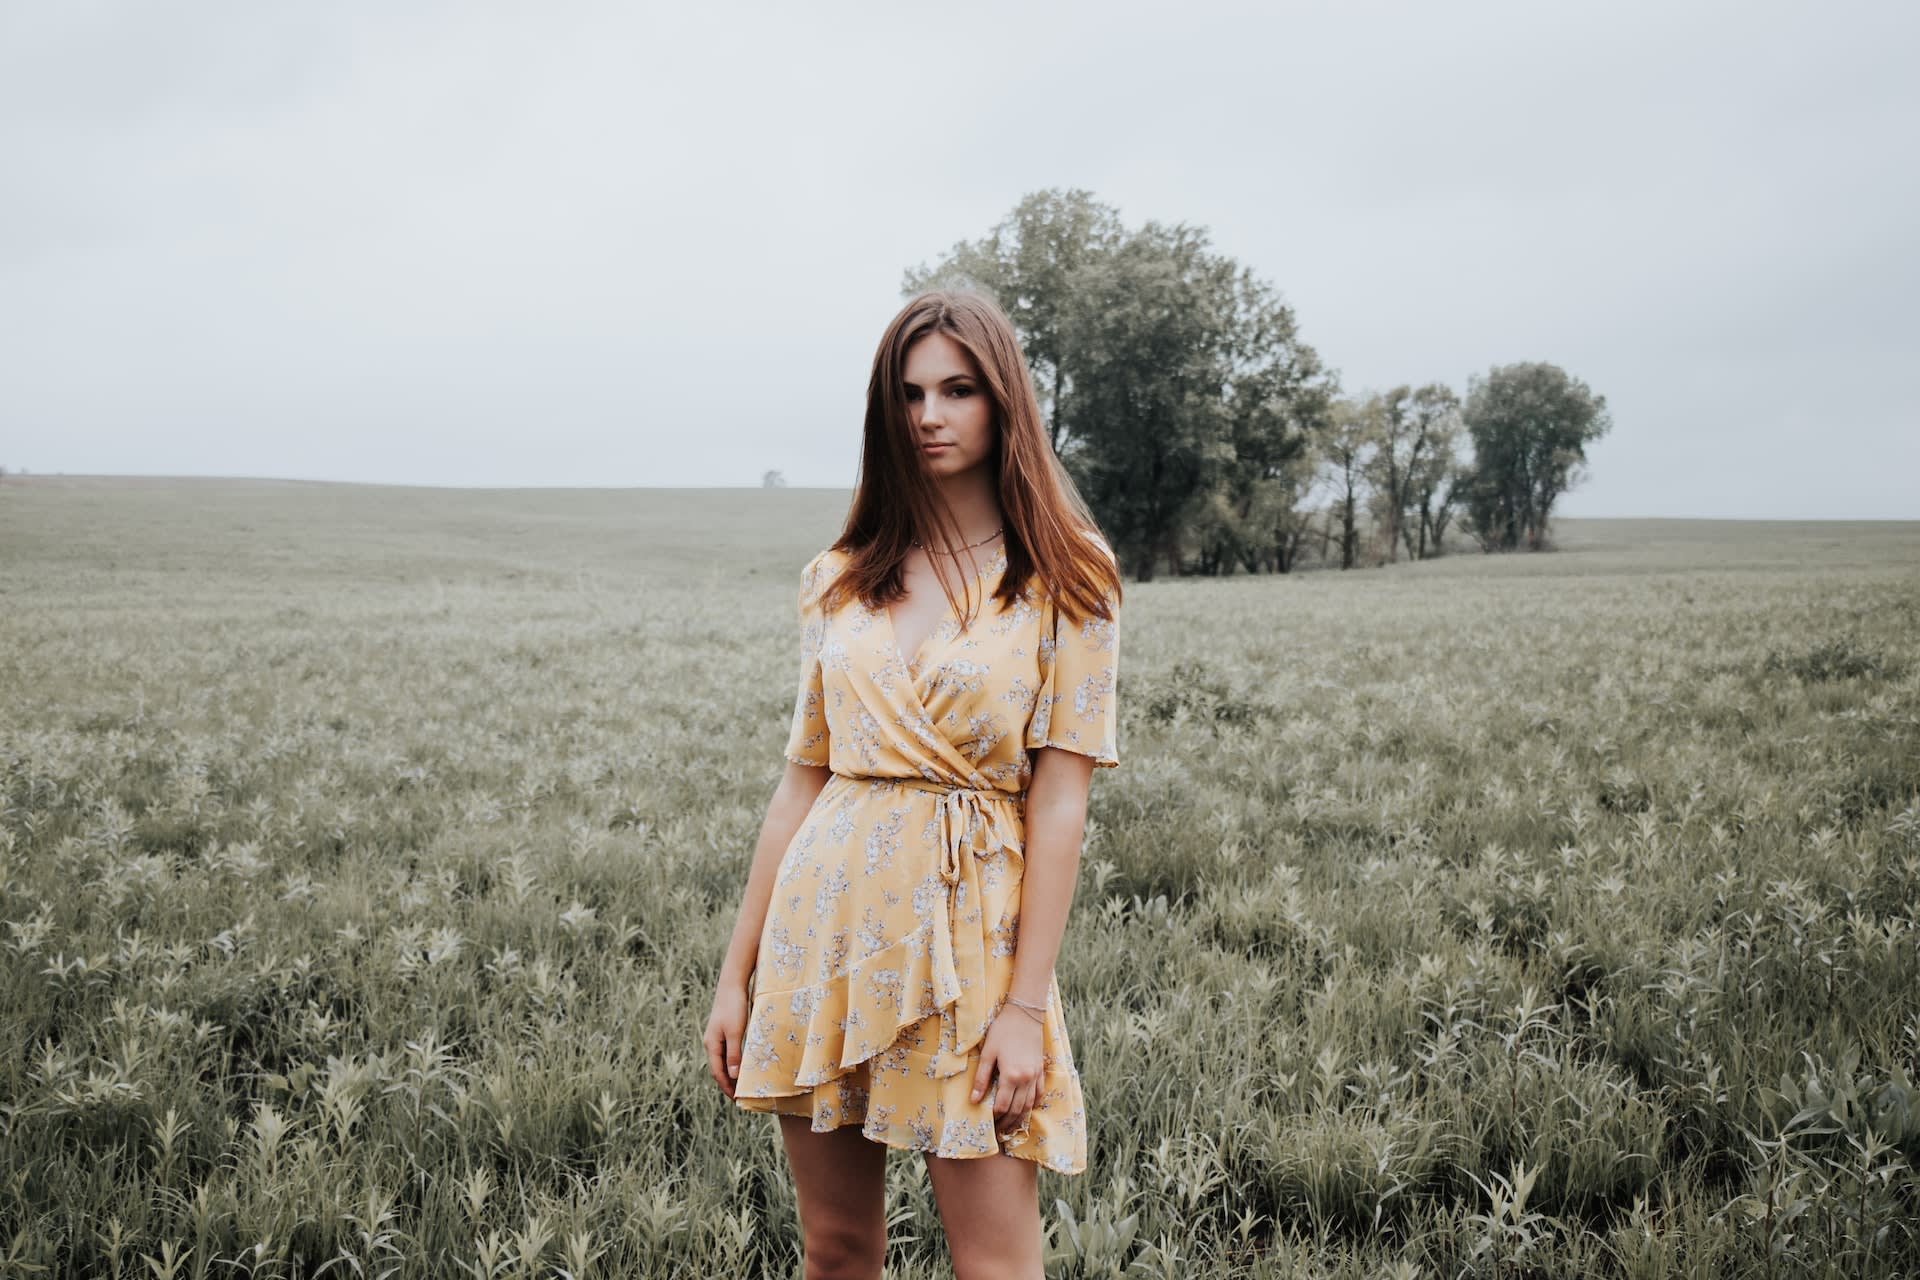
pixel 963 391
pixel 913 393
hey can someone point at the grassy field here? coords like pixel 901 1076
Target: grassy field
pixel 366 855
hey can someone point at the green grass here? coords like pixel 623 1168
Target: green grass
pixel 366 855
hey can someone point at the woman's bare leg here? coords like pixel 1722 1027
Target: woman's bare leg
pixel 840 1180
pixel 990 1207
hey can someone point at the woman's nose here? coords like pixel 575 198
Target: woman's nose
pixel 930 411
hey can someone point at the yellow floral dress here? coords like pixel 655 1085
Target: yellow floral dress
pixel 889 941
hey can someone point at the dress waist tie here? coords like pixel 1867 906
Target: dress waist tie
pixel 972 822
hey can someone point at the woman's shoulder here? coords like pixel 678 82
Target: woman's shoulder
pixel 1105 549
pixel 1093 536
pixel 820 570
pixel 828 560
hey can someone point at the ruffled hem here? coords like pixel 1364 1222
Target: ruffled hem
pixel 898 1099
pixel 809 1035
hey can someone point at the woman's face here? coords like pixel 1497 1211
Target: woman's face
pixel 951 412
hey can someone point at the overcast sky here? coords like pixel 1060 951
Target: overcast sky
pixel 639 244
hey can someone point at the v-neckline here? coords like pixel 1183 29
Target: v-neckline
pixel 893 635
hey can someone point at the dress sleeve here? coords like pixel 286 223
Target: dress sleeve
pixel 1077 708
pixel 807 740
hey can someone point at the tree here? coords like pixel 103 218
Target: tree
pixel 1174 384
pixel 1531 424
pixel 1218 531
pixel 773 480
pixel 1283 505
pixel 1029 263
pixel 1146 415
pixel 1279 402
pixel 1434 474
pixel 1396 452
pixel 1412 465
pixel 1347 451
pixel 1441 486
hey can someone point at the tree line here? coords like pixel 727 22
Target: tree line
pixel 1209 437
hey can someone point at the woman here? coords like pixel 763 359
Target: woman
pixel 889 982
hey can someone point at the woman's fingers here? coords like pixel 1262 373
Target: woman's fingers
pixel 726 1030
pixel 730 1052
pixel 723 1054
pixel 1020 1105
pixel 981 1077
pixel 1011 1101
pixel 715 1043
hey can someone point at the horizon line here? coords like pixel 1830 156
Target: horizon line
pixel 9 477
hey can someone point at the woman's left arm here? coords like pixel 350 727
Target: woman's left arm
pixel 1056 820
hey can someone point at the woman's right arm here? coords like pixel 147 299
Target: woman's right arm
pixel 727 1023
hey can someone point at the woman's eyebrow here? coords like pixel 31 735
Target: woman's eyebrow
pixel 952 377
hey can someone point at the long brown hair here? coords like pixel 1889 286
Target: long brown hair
pixel 1047 522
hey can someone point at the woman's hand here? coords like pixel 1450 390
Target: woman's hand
pixel 726 1027
pixel 1013 1048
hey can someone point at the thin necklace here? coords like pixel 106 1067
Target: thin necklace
pixel 970 546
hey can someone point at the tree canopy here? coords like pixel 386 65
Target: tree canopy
pixel 1531 424
pixel 1175 384
pixel 1207 435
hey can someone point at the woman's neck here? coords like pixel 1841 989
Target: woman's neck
pixel 974 502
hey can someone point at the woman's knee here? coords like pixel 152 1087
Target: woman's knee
pixel 843 1248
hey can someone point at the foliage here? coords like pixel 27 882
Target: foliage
pixel 1176 386
pixel 366 856
pixel 1190 690
pixel 1352 440
pixel 1031 262
pixel 1202 429
pixel 1531 424
pixel 1432 471
pixel 1836 658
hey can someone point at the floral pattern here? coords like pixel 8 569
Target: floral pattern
pixel 889 941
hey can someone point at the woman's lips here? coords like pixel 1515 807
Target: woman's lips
pixel 935 448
